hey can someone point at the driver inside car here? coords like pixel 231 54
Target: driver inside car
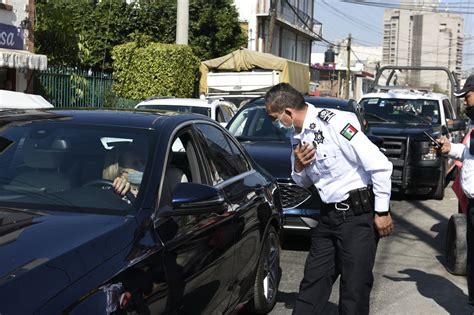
pixel 125 170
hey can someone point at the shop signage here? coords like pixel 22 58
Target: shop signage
pixel 11 37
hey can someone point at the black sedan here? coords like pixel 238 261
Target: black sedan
pixel 107 212
pixel 271 149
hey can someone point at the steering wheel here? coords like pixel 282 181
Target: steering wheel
pixel 108 185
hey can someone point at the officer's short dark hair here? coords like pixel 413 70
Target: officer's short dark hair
pixel 282 96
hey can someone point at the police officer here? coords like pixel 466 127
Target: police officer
pixel 352 177
pixel 465 153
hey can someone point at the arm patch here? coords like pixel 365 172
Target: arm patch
pixel 349 132
pixel 326 115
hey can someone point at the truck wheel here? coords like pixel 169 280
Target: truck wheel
pixel 456 245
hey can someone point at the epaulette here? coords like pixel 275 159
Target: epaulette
pixel 326 115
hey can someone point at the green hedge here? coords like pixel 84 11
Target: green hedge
pixel 153 69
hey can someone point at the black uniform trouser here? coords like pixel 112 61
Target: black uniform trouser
pixel 342 244
pixel 470 250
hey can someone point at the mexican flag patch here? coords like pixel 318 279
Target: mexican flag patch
pixel 349 132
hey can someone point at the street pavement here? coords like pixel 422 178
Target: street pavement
pixel 410 277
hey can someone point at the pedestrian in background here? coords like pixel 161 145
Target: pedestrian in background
pixel 352 177
pixel 465 153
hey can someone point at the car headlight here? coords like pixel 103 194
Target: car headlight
pixel 431 155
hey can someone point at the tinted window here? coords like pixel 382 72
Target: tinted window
pixel 254 123
pixel 224 158
pixel 70 167
pixel 448 109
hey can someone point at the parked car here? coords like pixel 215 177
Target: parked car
pixel 272 150
pixel 217 109
pixel 402 118
pixel 197 234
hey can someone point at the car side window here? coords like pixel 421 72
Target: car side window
pixel 224 157
pixel 182 166
pixel 219 115
pixel 448 109
pixel 225 113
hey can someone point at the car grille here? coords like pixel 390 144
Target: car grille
pixel 292 195
pixel 396 152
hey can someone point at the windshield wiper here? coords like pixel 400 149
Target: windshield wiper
pixel 376 116
pixel 416 116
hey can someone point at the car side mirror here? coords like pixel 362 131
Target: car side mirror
pixel 194 199
pixel 457 124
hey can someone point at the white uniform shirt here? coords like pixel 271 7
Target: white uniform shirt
pixel 460 151
pixel 345 158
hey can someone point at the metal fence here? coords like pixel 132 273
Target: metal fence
pixel 68 87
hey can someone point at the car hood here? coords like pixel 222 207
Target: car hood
pixel 273 156
pixel 43 253
pixel 379 129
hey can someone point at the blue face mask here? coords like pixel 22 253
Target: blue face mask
pixel 284 128
pixel 135 178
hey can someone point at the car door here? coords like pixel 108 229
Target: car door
pixel 243 189
pixel 198 252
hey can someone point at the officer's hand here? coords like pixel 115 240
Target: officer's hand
pixel 383 224
pixel 445 144
pixel 304 155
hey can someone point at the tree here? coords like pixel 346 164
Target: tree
pixel 83 33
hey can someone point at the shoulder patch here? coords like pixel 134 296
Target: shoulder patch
pixel 349 132
pixel 326 115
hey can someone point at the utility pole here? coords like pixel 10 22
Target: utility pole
pixel 271 27
pixel 348 71
pixel 182 22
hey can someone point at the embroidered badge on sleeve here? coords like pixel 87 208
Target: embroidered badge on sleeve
pixel 349 132
pixel 326 115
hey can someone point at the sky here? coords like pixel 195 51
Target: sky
pixel 365 23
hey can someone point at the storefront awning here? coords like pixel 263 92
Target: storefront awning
pixel 22 59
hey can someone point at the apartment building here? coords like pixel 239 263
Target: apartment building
pixel 423 38
pixel 17 58
pixel 285 28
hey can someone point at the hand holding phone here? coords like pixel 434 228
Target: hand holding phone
pixel 433 140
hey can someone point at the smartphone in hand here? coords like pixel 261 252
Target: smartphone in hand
pixel 433 140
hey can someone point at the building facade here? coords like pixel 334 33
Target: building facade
pixel 17 58
pixel 423 38
pixel 285 28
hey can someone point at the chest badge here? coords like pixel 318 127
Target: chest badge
pixel 318 137
pixel 312 126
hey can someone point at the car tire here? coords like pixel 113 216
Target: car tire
pixel 456 245
pixel 267 276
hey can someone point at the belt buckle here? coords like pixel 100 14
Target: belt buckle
pixel 344 207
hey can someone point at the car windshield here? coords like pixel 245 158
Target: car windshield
pixel 54 165
pixel 418 111
pixel 253 123
pixel 206 111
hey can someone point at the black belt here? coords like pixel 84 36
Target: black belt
pixel 358 199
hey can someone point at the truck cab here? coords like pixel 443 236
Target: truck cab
pixel 406 119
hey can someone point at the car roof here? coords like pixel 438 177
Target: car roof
pixel 406 94
pixel 123 118
pixel 178 101
pixel 323 102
